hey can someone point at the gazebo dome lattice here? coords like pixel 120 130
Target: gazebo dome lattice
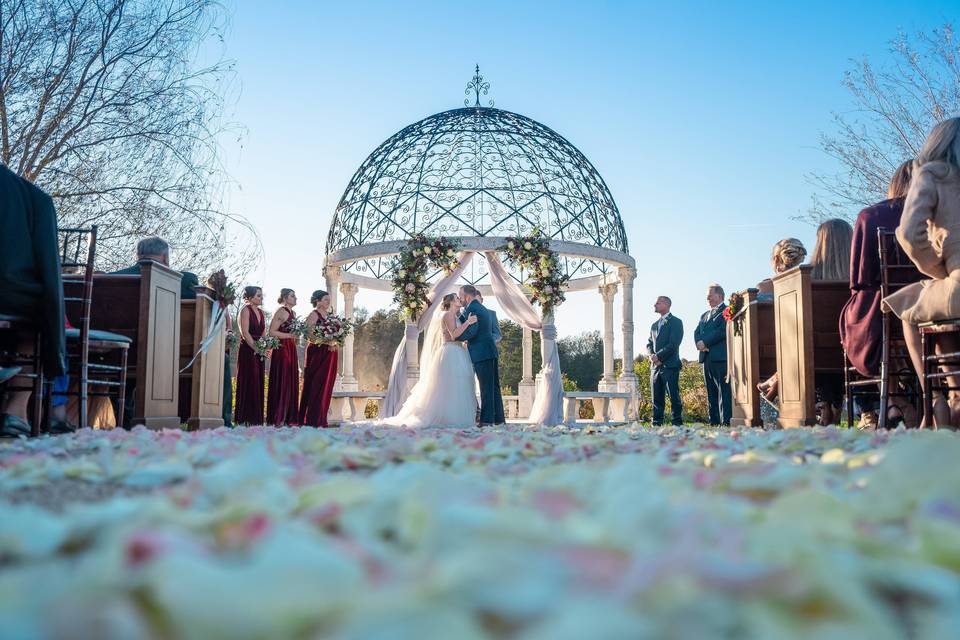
pixel 476 172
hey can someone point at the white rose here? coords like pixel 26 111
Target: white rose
pixel 402 273
pixel 510 245
pixel 527 246
pixel 450 252
pixel 416 252
pixel 427 250
pixel 413 305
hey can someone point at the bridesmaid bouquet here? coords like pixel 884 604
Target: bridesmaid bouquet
pixel 331 331
pixel 232 340
pixel 295 326
pixel 265 344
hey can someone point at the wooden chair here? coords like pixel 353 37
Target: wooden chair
pixel 933 378
pixel 807 315
pixel 896 272
pixel 752 358
pixel 13 326
pixel 96 359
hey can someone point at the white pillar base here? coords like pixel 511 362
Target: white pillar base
pixel 608 386
pixel 526 390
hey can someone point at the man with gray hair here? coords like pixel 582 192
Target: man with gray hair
pixel 156 249
pixel 711 338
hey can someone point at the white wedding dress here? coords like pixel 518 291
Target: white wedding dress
pixel 444 395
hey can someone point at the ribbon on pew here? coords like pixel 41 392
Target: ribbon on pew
pixel 217 321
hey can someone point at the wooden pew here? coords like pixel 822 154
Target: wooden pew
pixel 146 308
pixel 752 358
pixel 807 317
pixel 201 386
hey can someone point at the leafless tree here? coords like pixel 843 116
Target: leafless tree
pixel 115 108
pixel 896 105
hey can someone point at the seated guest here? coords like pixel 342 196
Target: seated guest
pixel 831 261
pixel 929 233
pixel 787 254
pixel 158 250
pixel 31 283
pixel 861 327
pixel 831 253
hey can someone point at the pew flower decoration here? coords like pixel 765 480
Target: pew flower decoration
pixel 231 340
pixel 533 254
pixel 224 291
pixel 331 331
pixel 732 313
pixel 411 270
pixel 266 344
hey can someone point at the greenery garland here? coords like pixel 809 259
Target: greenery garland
pixel 533 254
pixel 410 269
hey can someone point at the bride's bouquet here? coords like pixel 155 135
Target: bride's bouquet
pixel 331 331
pixel 265 344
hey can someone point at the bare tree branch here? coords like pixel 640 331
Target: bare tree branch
pixel 895 108
pixel 103 104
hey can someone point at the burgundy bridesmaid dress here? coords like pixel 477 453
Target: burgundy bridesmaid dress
pixel 319 376
pixel 249 407
pixel 284 387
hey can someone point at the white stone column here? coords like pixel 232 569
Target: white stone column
pixel 628 379
pixel 348 381
pixel 609 381
pixel 413 361
pixel 527 387
pixel 332 274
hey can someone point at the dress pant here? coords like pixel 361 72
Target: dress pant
pixel 665 381
pixel 491 401
pixel 719 398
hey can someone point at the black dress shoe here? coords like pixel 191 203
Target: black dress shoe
pixel 6 373
pixel 60 427
pixel 14 427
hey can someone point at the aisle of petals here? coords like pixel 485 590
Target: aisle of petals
pixel 516 533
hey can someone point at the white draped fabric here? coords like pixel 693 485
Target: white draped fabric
pixel 548 403
pixel 397 386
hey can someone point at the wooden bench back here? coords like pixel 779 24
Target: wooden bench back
pixel 145 307
pixel 807 317
pixel 752 357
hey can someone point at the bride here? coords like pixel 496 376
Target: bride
pixel 444 396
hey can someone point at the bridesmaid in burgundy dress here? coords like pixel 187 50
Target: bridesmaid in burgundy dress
pixel 320 370
pixel 249 407
pixel 284 365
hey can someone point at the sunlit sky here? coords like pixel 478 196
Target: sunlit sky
pixel 703 119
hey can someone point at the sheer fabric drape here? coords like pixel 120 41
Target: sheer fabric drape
pixel 397 391
pixel 548 403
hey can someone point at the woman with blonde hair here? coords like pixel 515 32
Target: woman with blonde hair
pixel 831 253
pixel 787 254
pixel 929 233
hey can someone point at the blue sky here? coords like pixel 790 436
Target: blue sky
pixel 702 118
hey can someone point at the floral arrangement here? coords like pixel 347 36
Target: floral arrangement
pixel 331 331
pixel 732 313
pixel 410 268
pixel 533 254
pixel 224 291
pixel 296 326
pixel 265 344
pixel 231 340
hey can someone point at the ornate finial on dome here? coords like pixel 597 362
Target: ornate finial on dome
pixel 479 87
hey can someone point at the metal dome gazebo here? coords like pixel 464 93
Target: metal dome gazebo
pixel 479 174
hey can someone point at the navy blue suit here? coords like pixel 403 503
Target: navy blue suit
pixel 664 342
pixel 712 330
pixel 486 361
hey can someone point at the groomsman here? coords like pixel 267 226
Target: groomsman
pixel 711 338
pixel 664 350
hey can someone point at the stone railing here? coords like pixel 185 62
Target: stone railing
pixel 608 406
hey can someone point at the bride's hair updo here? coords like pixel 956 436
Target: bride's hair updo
pixel 447 301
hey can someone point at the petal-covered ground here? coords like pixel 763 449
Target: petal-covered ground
pixel 515 533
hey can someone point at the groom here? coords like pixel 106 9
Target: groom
pixel 483 353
